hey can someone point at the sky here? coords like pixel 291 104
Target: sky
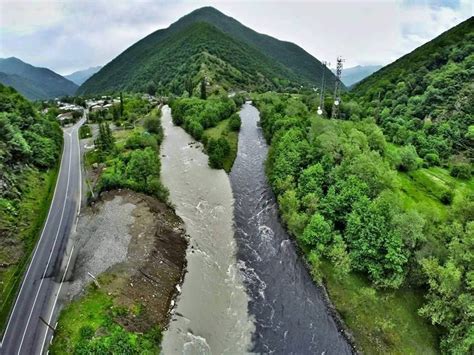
pixel 69 35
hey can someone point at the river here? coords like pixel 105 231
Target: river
pixel 211 314
pixel 290 314
pixel 246 289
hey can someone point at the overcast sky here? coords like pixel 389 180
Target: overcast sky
pixel 70 35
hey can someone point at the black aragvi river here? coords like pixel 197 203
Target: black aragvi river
pixel 289 311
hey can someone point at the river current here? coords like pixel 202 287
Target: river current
pixel 246 288
pixel 290 314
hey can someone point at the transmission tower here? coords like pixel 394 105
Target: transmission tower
pixel 321 96
pixel 337 88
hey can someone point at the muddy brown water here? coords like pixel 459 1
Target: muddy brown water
pixel 211 313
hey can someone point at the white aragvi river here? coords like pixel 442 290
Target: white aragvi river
pixel 211 314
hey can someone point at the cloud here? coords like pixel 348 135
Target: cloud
pixel 68 35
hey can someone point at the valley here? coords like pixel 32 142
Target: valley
pixel 215 190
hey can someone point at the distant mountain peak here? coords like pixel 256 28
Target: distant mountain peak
pixel 35 83
pixel 239 58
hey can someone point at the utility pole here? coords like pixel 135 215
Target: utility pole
pixel 337 88
pixel 47 324
pixel 321 96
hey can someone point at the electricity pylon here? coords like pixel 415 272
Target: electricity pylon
pixel 337 88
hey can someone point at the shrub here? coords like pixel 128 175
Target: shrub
pixel 235 122
pixel 141 140
pixel 217 150
pixel 461 171
pixel 408 158
pixel 153 125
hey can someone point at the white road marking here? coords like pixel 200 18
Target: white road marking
pixel 36 248
pixel 55 301
pixel 52 249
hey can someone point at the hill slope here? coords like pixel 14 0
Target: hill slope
pixel 28 88
pixel 33 82
pixel 80 76
pixel 207 41
pixel 426 97
pixel 351 76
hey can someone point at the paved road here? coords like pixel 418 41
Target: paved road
pixel 25 332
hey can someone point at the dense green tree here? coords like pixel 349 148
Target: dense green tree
pixel 203 89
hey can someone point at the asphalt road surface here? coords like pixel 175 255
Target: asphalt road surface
pixel 26 333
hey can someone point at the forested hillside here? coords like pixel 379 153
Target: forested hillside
pixel 360 205
pixel 30 146
pixel 207 44
pixel 32 82
pixel 382 200
pixel 426 98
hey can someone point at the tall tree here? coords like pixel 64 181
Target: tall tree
pixel 203 89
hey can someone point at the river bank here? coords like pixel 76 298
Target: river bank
pixel 135 246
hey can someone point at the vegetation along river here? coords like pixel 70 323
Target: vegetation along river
pixel 211 312
pixel 290 314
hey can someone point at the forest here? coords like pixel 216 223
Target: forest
pixel 342 192
pixel 206 44
pixel 133 161
pixel 30 147
pixel 426 99
pixel 199 116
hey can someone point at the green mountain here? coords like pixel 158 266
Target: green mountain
pixel 426 98
pixel 207 43
pixel 80 76
pixel 33 82
pixel 28 88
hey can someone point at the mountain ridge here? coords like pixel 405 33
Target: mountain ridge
pixel 35 83
pixel 144 62
pixel 80 76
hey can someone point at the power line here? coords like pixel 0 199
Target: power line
pixel 321 95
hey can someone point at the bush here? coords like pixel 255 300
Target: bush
pixel 85 131
pixel 152 125
pixel 432 159
pixel 235 122
pixel 217 150
pixel 141 140
pixel 461 171
pixel 408 158
pixel 446 197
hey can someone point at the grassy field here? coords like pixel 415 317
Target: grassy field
pixel 222 130
pixel 27 225
pixel 387 322
pixel 92 324
pixel 424 189
pixel 383 322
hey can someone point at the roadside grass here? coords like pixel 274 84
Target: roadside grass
pixel 28 222
pixel 91 324
pixel 383 322
pixel 222 130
